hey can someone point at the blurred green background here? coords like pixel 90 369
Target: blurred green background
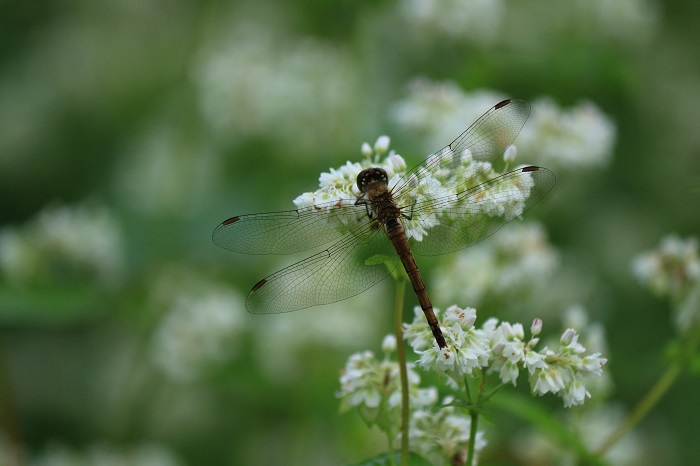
pixel 130 129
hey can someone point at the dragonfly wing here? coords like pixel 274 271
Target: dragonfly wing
pixel 290 231
pixel 484 141
pixel 348 267
pixel 472 215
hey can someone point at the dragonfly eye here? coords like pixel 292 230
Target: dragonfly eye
pixel 371 175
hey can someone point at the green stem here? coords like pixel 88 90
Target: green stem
pixel 655 394
pixel 401 353
pixel 474 416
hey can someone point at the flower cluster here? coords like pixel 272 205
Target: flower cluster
pixel 580 137
pixel 501 348
pixel 518 261
pixel 674 270
pixel 433 187
pixel 373 387
pixel 82 242
pixel 443 434
pixel 474 20
pixel 266 74
pixel 201 325
pixel 102 454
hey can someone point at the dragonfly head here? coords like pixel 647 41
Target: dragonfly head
pixel 369 176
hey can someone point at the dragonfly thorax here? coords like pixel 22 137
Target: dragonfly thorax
pixel 369 176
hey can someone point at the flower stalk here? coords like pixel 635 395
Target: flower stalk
pixel 401 354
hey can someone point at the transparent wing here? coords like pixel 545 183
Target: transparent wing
pixel 291 231
pixel 477 213
pixel 345 269
pixel 484 141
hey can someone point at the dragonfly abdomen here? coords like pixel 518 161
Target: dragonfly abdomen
pixel 397 236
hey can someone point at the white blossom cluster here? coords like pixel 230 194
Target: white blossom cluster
pixel 372 387
pixel 442 435
pixel 105 455
pixel 433 187
pixel 519 260
pixel 201 326
pixel 501 348
pixel 253 76
pixel 64 242
pixel 475 20
pixel 580 137
pixel 673 270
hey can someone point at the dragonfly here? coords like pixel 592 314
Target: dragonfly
pixel 366 236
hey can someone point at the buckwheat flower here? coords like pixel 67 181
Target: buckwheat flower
pixel 250 77
pixel 510 154
pixel 674 270
pixel 389 343
pixel 502 348
pixel 517 262
pixel 382 145
pixel 442 436
pixel 373 387
pixel 467 348
pixel 510 351
pixel 82 242
pixel 473 20
pixel 200 329
pixel 670 269
pixel 107 455
pixel 580 137
pixel 437 111
pixel 536 327
pixel 565 370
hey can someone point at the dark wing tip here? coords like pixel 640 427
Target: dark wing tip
pixel 258 285
pixel 502 104
pixel 230 220
pixel 531 168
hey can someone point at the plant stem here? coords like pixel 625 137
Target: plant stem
pixel 656 392
pixel 474 416
pixel 401 353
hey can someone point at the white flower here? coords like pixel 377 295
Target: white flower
pixel 536 327
pixel 510 154
pixel 442 435
pixel 674 270
pixel 474 20
pixel 82 242
pixel 581 137
pixel 518 262
pixel 201 326
pixel 381 146
pixel 389 343
pixel 467 347
pixel 502 349
pixel 107 455
pixel 251 78
pixel 373 388
pixel 433 188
